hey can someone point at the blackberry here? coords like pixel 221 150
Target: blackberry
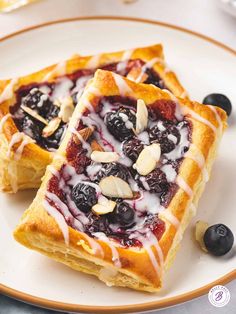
pixel 166 134
pixel 84 196
pixel 132 148
pixel 121 123
pixel 31 128
pixel 113 169
pixel 156 181
pixel 38 101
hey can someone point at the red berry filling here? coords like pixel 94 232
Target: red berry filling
pixel 78 183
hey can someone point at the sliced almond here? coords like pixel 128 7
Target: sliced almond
pixel 95 146
pixel 141 116
pixel 104 156
pixel 34 114
pixel 52 126
pixel 85 133
pixel 105 208
pixel 66 109
pixel 200 229
pixel 147 159
pixel 57 103
pixel 137 75
pixel 115 187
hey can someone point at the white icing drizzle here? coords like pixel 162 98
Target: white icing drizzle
pixel 121 66
pixel 115 254
pixel 167 214
pixel 94 90
pixel 26 140
pixel 53 171
pixel 60 220
pixel 59 70
pixel 184 94
pixel 16 138
pixel 146 66
pixel 195 154
pixel 170 172
pixel 93 62
pixel 53 197
pixel 178 108
pixel 184 142
pixel 193 209
pixel 3 121
pixel 62 89
pixel 147 245
pixel 96 247
pixel 217 117
pixel 123 87
pixel 8 90
pixel 184 186
pixel 197 117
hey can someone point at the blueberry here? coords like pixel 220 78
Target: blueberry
pixel 132 148
pixel 31 128
pixel 113 169
pixel 218 239
pixel 84 196
pixel 123 215
pixel 121 123
pixel 156 181
pixel 219 100
pixel 166 134
pixel 54 140
pixel 97 224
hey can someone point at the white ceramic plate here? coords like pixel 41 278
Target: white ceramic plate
pixel 203 67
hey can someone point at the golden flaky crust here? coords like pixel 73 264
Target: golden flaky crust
pixel 39 231
pixel 27 172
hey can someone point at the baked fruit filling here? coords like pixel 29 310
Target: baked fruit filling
pixel 42 110
pixel 121 167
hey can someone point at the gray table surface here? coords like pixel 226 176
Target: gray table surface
pixel 10 306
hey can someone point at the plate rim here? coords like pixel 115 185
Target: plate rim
pixel 166 302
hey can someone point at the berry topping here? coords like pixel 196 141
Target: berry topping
pixel 166 134
pixel 155 181
pixel 54 140
pixel 97 224
pixel 84 196
pixel 154 79
pixel 218 239
pixel 36 100
pixel 132 148
pixel 123 215
pixel 30 128
pixel 113 169
pixel 121 123
pixel 219 100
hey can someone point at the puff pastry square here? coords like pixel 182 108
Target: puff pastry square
pixel 124 183
pixel 25 147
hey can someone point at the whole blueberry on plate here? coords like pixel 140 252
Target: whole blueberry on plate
pixel 219 100
pixel 218 239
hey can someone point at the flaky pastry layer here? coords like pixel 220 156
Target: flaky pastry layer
pixel 26 172
pixel 39 231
